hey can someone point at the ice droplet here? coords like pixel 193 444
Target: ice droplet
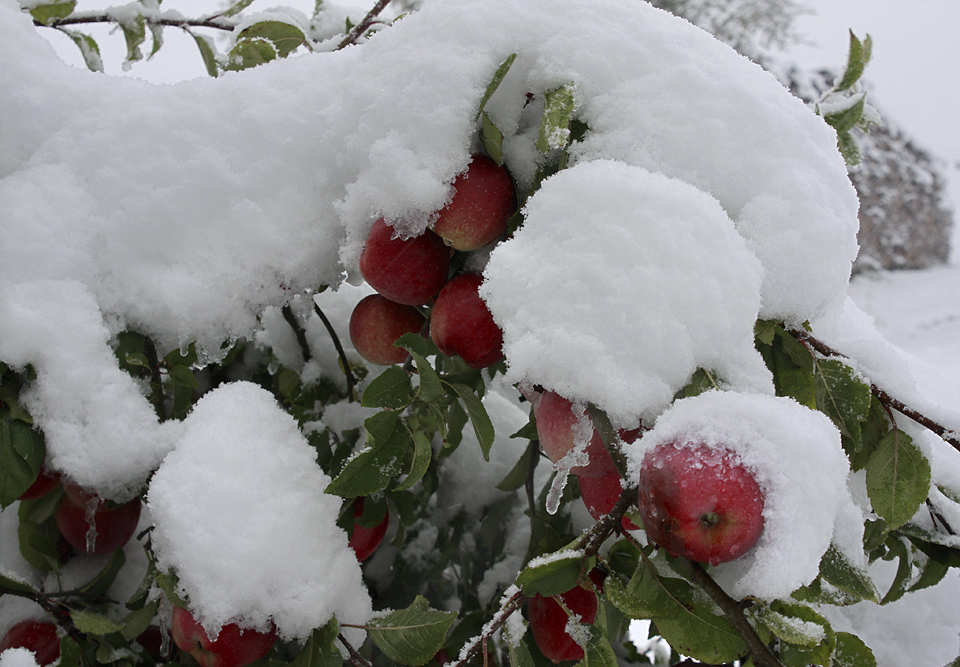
pixel 557 487
pixel 90 514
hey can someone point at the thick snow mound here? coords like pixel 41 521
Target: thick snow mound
pixel 241 516
pixel 796 457
pixel 620 284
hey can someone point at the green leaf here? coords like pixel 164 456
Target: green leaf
pixel 70 653
pixel 491 137
pixel 422 456
pixel 519 654
pixel 430 388
pixel 842 396
pixel 799 654
pixel 857 58
pixel 137 621
pixel 51 12
pixel 22 451
pixel 92 623
pixel 37 532
pixel 553 576
pixel 518 475
pixel 495 82
pixel 183 376
pixel 391 389
pixel 320 649
pixel 88 49
pixel 372 469
pixel 135 34
pixel 105 578
pixel 852 652
pixel 411 636
pixel 849 148
pixel 207 52
pixel 841 573
pixel 794 624
pixel 555 124
pixel 247 53
pixel 169 584
pixel 482 426
pixel 632 605
pixel 849 118
pixel 898 479
pixel 598 651
pixel 285 37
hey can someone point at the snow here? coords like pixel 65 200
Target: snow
pixel 795 455
pixel 243 483
pixel 18 657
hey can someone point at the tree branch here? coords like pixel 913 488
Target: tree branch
pixel 79 19
pixel 361 27
pixel 351 381
pixel 885 398
pixel 470 650
pixel 355 657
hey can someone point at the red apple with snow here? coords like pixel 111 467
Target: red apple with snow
pixel 461 323
pixel 483 201
pixel 600 494
pixel 36 635
pixel 548 620
pixel 561 425
pixel 364 541
pixel 375 325
pixel 94 526
pixel 406 270
pixel 700 502
pixel 233 646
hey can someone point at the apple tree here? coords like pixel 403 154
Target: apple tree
pixel 473 335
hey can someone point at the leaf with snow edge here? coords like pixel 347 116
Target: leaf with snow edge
pixel 634 606
pixel 207 52
pixel 598 652
pixel 89 49
pixel 495 82
pixel 183 376
pixel 519 655
pixel 70 653
pixel 320 649
pixel 553 574
pixel 135 34
pixel 842 396
pixel 235 8
pixel 792 624
pixel 482 426
pixel 247 53
pixel 372 469
pixel 285 37
pixel 15 585
pixel 791 364
pixel 898 479
pixel 840 572
pixel 51 12
pixel 818 654
pixel 849 148
pixel 430 388
pixel 491 137
pixel 857 59
pixel 391 389
pixel 422 456
pixel 851 651
pixel 169 583
pixel 411 636
pixel 92 623
pixel 22 451
pixel 555 123
pixel 847 119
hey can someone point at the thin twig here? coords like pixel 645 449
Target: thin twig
pixel 351 381
pixel 355 657
pixel 361 27
pixel 298 332
pixel 885 398
pixel 470 650
pixel 149 20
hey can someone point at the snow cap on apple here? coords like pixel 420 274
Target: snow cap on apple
pixel 244 484
pixel 795 456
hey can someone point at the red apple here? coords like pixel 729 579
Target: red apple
pixel 111 527
pixel 408 271
pixel 483 201
pixel 600 494
pixel 558 427
pixel 233 647
pixel 700 502
pixel 548 622
pixel 39 636
pixel 45 483
pixel 377 323
pixel 364 541
pixel 461 324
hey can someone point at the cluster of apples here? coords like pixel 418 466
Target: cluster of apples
pixel 695 501
pixel 410 273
